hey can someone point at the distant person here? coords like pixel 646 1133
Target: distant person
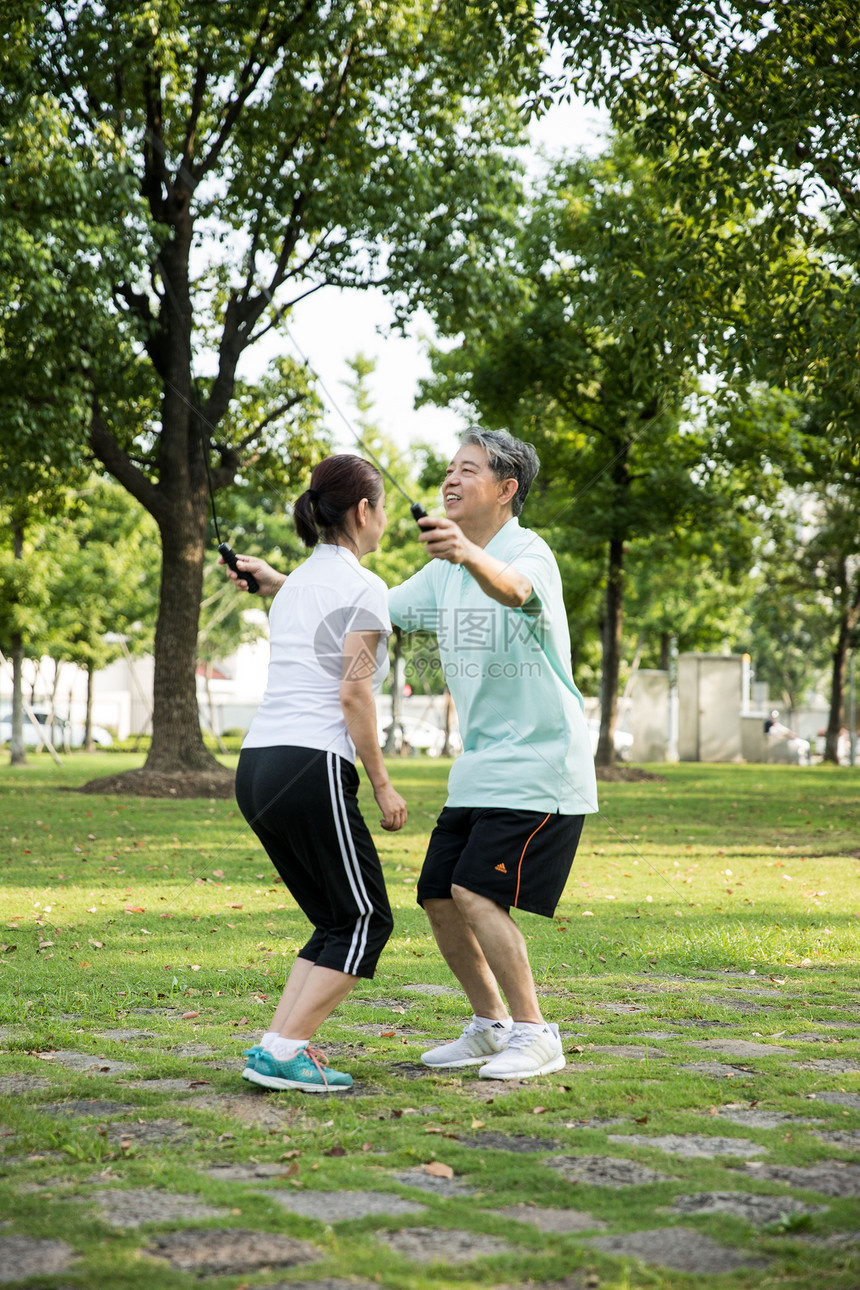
pixel 784 744
pixel 296 783
pixel 519 793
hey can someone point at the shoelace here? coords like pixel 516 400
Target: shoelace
pixel 522 1038
pixel 319 1060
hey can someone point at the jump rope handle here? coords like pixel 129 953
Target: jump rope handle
pixel 418 512
pixel 229 558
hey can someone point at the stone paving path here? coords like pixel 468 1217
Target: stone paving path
pixel 91 1100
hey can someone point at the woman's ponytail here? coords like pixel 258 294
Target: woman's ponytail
pixel 337 485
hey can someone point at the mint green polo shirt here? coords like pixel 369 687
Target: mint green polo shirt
pixel 525 742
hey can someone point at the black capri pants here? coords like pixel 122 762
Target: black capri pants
pixel 302 803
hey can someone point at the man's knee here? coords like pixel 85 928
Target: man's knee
pixel 438 911
pixel 472 905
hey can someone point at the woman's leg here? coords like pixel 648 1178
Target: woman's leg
pixel 310 996
pixel 325 855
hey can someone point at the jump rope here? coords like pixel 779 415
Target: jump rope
pixel 225 551
pixel 418 512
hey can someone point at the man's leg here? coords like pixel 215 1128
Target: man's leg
pixel 464 956
pixel 502 949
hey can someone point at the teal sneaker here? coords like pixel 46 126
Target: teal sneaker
pixel 304 1072
pixel 253 1054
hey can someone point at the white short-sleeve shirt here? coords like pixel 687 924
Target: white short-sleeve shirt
pixel 327 596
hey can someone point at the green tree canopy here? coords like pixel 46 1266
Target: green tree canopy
pixel 754 104
pixel 600 368
pixel 244 155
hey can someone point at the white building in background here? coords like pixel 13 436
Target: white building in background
pixel 716 713
pixel 122 692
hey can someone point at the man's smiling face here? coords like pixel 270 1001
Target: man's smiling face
pixel 471 490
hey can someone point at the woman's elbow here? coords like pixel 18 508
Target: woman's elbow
pixel 355 696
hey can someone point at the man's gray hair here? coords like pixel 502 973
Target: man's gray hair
pixel 509 458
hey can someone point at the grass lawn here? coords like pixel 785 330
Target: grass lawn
pixel 718 903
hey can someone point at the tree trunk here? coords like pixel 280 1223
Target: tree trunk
pixel 17 748
pixel 177 740
pixel 89 746
pixel 182 515
pixel 665 651
pixel 837 688
pixel 449 712
pixel 396 688
pixel 612 623
pixel 208 671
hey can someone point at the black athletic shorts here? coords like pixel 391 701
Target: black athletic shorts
pixel 519 859
pixel 302 805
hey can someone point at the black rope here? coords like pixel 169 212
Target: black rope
pixel 226 552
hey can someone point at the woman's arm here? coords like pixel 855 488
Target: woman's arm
pixel 269 579
pixel 359 710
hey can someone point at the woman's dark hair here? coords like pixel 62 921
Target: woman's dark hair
pixel 337 485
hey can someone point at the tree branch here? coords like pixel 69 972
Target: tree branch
pixel 106 450
pixel 249 79
pixel 156 183
pixel 183 171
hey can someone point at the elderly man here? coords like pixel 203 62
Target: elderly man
pixel 518 795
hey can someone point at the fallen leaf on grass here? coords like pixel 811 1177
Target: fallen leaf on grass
pixel 387 1034
pixel 437 1169
pixel 293 1170
pixel 97 945
pixel 538 1110
pixel 478 1124
pixel 133 909
pixel 8 949
pixel 335 1151
pixel 189 1016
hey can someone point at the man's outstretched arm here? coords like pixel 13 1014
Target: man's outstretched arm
pixel 445 540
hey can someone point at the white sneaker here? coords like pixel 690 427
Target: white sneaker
pixel 473 1047
pixel 526 1053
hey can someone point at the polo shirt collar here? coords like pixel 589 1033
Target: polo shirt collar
pixel 504 535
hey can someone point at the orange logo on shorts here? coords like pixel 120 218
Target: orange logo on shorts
pixel 501 868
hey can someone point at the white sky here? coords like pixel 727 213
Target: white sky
pixel 333 326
